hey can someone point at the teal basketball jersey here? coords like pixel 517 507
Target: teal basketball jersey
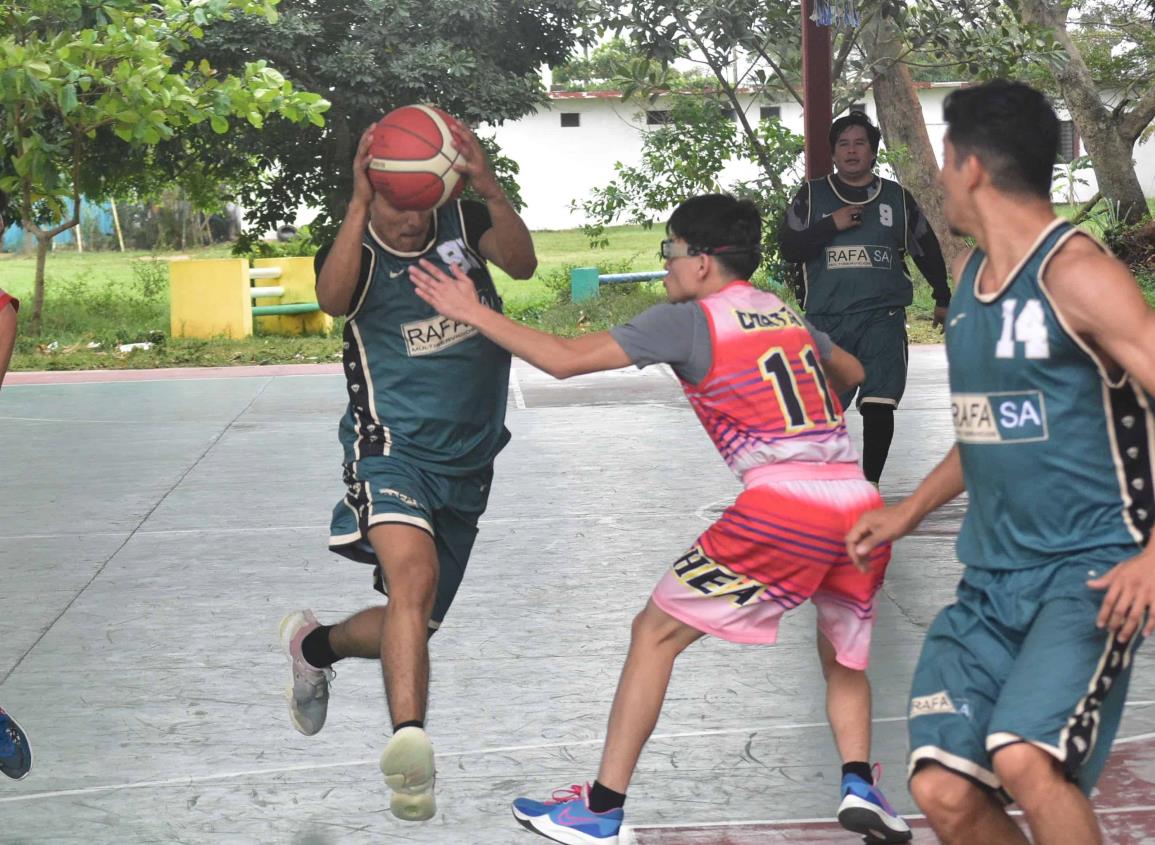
pixel 1056 451
pixel 862 268
pixel 423 387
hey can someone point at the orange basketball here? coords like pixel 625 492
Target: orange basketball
pixel 413 158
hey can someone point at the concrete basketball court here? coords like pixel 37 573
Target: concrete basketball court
pixel 156 526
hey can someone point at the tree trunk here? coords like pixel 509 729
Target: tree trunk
pixel 1110 150
pixel 43 244
pixel 44 239
pixel 902 123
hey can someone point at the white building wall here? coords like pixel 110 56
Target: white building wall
pixel 1145 165
pixel 560 165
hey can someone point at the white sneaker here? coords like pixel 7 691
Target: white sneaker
pixel 309 692
pixel 407 764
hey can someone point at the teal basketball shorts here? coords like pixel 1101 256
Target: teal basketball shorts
pixel 389 490
pixel 877 338
pixel 1018 658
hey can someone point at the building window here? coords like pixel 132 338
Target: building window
pixel 729 114
pixel 570 119
pixel 1068 141
pixel 859 107
pixel 658 117
pixel 770 113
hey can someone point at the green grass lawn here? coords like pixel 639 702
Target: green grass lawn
pixel 96 301
pixel 631 247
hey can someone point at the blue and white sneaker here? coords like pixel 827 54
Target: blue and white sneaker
pixel 865 810
pixel 567 818
pixel 15 752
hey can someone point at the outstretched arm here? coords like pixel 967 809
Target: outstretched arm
pixel 876 527
pixel 455 297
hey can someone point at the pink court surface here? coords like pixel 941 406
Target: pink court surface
pixel 155 527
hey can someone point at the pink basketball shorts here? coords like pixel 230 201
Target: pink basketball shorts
pixel 775 547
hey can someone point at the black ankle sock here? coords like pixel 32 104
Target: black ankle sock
pixel 863 770
pixel 604 799
pixel 316 650
pixel 877 432
pixel 412 723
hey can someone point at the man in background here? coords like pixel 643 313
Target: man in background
pixel 852 231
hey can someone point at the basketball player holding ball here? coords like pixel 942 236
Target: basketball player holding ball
pixel 425 420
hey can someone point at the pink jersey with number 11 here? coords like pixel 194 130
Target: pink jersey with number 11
pixel 765 402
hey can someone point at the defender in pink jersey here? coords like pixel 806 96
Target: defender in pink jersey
pixel 765 387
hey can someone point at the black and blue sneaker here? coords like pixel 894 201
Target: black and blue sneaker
pixel 567 818
pixel 15 752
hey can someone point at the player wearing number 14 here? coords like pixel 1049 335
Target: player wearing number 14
pixel 1051 350
pixel 764 385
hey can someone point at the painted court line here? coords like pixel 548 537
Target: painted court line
pixel 310 767
pixel 515 386
pixel 506 749
pixel 567 517
pixel 1108 811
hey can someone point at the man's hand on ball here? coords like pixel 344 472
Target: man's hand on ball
pixel 474 164
pixel 362 187
pixel 453 296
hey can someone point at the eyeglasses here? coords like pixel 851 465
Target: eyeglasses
pixel 672 249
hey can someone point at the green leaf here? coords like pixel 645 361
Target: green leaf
pixel 67 98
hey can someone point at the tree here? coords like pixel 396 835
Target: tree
pixel 478 61
pixel 1126 63
pixel 78 73
pixel 619 65
pixel 1098 57
pixel 749 46
pixel 677 164
pixel 902 123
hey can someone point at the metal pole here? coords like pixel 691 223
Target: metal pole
pixel 817 98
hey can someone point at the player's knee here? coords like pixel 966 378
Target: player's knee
pixel 655 629
pixel 645 628
pixel 827 656
pixel 947 799
pixel 412 582
pixel 1029 774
